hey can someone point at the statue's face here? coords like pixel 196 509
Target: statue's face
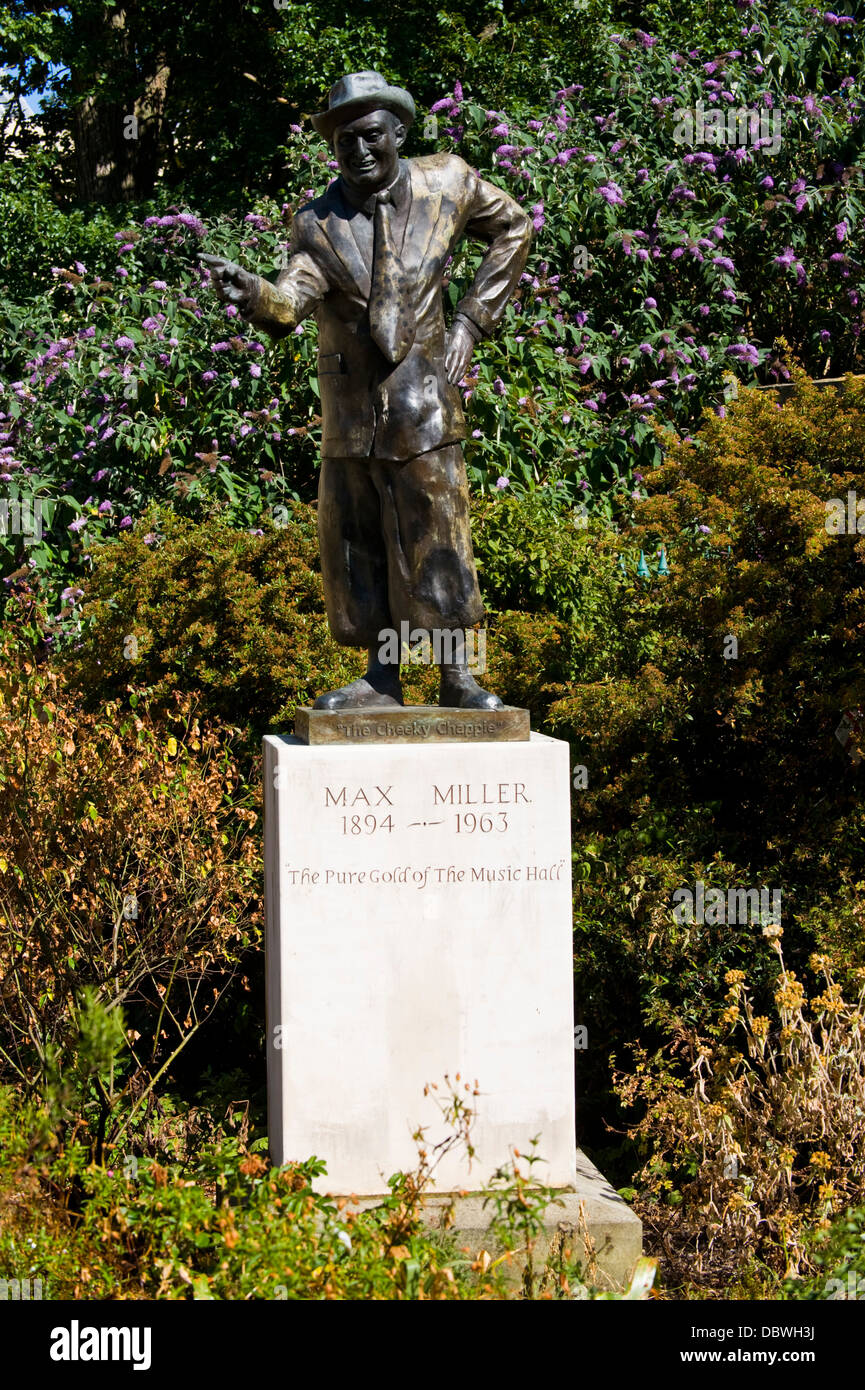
pixel 367 150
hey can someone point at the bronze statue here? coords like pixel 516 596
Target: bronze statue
pixel 367 259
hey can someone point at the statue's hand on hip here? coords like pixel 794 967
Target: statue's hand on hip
pixel 233 284
pixel 458 353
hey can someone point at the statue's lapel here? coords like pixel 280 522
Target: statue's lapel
pixel 426 201
pixel 419 242
pixel 336 228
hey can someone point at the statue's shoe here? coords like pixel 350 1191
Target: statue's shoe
pixel 361 695
pixel 465 693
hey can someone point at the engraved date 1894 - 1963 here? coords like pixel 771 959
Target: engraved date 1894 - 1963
pixel 465 822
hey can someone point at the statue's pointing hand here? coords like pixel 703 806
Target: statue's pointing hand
pixel 232 283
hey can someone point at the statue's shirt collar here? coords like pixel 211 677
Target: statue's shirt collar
pixel 400 192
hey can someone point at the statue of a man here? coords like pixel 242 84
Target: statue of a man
pixel 368 259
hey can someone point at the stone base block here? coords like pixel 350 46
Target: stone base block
pixel 590 1219
pixel 419 927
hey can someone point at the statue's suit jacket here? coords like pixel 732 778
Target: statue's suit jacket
pixel 369 407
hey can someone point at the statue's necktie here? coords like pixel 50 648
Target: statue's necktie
pixel 392 323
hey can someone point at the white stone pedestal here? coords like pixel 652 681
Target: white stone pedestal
pixel 418 924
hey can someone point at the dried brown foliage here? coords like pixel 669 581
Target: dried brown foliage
pixel 129 867
pixel 767 1136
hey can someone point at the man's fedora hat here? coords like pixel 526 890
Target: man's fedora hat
pixel 358 93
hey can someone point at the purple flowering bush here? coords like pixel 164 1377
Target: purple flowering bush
pixel 661 265
pixel 666 262
pixel 140 387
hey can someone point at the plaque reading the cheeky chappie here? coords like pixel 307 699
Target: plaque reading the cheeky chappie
pixel 412 724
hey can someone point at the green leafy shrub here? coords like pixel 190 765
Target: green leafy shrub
pixel 235 617
pixel 220 1223
pixel 744 726
pixel 36 233
pixel 238 616
pixel 536 554
pixel 706 761
pixel 836 1250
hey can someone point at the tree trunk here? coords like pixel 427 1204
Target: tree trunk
pixel 117 139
